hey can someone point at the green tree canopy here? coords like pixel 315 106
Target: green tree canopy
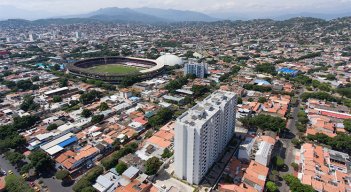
pixel 152 165
pixel 14 157
pixel 161 117
pixel 264 122
pixel 52 127
pixel 62 174
pixel 97 119
pixel 40 161
pixel 295 184
pixel 56 98
pixel 121 167
pixel 166 153
pixel 89 97
pixel 29 104
pixel 86 113
pixel 16 184
pixel 271 186
pixel 103 106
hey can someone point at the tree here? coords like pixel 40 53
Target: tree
pixel 266 68
pixel 56 99
pixel 295 185
pixel 97 119
pixel 26 168
pixel 161 117
pixel 88 179
pixel 63 82
pixel 80 185
pixel 89 97
pixel 35 78
pixel 296 142
pixel 103 106
pixel 40 161
pixel 16 184
pixel 259 88
pixel 14 157
pixel 166 153
pixel 200 90
pixel 62 174
pixel 121 167
pixel 148 134
pixel 88 189
pixel 330 77
pixel 240 100
pixel 262 99
pixel 152 165
pixel 28 103
pixel 295 166
pixel 52 127
pixel 279 162
pixel 86 113
pixel 347 125
pixel 264 122
pixel 130 80
pixel 56 67
pixel 271 187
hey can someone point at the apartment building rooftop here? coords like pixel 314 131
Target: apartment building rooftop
pixel 206 108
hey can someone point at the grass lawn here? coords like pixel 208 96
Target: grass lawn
pixel 115 69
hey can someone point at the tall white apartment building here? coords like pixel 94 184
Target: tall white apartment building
pixel 198 69
pixel 202 133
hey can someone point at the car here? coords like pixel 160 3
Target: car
pixel 3 173
pixel 25 176
pixel 36 189
pixel 10 172
pixel 89 166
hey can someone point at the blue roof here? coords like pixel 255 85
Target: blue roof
pixel 68 142
pixel 287 70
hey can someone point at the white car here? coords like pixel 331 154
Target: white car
pixel 3 172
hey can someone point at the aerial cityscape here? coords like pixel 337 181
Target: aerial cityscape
pixel 181 97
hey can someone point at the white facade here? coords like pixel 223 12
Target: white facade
pixel 202 133
pixel 198 69
pixel 263 155
pixel 255 149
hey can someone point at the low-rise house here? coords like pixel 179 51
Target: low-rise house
pixel 258 148
pixel 324 169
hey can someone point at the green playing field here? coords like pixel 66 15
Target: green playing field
pixel 115 69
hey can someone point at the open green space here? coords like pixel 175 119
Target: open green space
pixel 115 69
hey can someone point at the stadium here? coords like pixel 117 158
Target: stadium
pixel 115 69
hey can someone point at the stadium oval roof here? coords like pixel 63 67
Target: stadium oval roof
pixel 169 60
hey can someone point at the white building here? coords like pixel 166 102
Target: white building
pixel 198 69
pixel 202 133
pixel 258 149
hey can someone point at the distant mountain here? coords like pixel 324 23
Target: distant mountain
pixel 314 15
pixel 176 15
pixel 145 15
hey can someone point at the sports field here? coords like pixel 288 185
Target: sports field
pixel 115 69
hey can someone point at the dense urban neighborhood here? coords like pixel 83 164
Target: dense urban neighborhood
pixel 228 106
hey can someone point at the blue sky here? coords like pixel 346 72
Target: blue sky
pixel 63 7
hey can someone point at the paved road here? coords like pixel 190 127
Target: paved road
pixel 5 165
pixel 288 146
pixel 52 184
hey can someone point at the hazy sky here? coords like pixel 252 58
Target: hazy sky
pixel 81 6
